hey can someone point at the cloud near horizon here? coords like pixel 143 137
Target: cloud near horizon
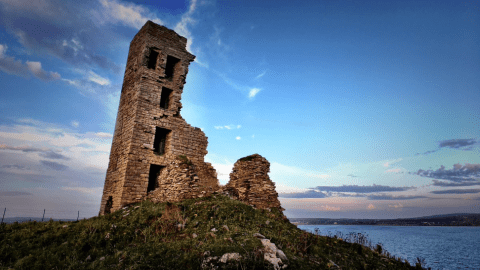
pixel 466 175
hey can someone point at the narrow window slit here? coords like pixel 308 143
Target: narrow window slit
pixel 172 62
pixel 165 98
pixel 152 59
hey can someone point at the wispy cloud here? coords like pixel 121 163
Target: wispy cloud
pixel 94 77
pixel 128 14
pixel 260 75
pixel 228 127
pixel 16 67
pixel 183 25
pixel 456 191
pixel 462 144
pixel 253 92
pixel 392 197
pixel 457 143
pixel 307 194
pixel 53 165
pixel 468 174
pixel 238 138
pixel 75 42
pixel 361 189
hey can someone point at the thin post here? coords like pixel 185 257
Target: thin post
pixel 4 214
pixel 78 215
pixel 43 214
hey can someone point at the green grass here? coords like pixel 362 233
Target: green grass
pixel 160 236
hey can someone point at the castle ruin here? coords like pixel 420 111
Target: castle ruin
pixel 155 153
pixel 150 132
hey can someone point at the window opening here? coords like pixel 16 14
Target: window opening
pixel 152 59
pixel 153 176
pixel 170 67
pixel 165 98
pixel 160 140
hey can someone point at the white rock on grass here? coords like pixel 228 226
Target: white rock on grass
pixel 270 254
pixel 230 256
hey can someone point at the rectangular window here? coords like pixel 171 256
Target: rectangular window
pixel 159 144
pixel 165 98
pixel 153 176
pixel 152 59
pixel 172 63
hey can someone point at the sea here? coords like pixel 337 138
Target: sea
pixel 440 247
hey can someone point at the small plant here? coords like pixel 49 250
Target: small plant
pixel 185 160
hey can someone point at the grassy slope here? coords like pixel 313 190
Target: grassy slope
pixel 148 236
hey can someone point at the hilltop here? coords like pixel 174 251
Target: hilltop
pixel 214 232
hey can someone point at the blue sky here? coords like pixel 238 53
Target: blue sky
pixel 365 109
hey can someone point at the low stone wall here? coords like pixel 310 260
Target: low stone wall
pixel 183 179
pixel 250 183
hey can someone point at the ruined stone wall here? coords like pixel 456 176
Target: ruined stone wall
pixel 157 65
pixel 250 183
pixel 182 179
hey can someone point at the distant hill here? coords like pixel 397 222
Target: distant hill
pixel 215 232
pixel 458 219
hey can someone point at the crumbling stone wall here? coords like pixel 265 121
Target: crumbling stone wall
pixel 182 179
pixel 150 130
pixel 250 183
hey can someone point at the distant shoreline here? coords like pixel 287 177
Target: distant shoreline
pixel 450 220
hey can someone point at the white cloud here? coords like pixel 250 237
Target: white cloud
pixel 396 170
pixel 94 77
pixel 128 14
pixel 16 67
pixel 3 49
pixel 253 92
pixel 187 19
pixel 75 124
pixel 103 135
pixel 238 138
pixel 260 75
pixel 228 127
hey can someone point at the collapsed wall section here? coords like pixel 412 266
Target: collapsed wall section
pixel 250 183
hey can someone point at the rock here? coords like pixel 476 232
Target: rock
pixel 102 259
pixel 225 227
pixel 270 254
pixel 257 235
pixel 194 235
pixel 281 255
pixel 88 258
pixel 65 226
pixel 230 256
pixel 267 222
pixel 213 230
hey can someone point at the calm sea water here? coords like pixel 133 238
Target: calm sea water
pixel 442 247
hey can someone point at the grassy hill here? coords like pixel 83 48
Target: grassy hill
pixel 183 235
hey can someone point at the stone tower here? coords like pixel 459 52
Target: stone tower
pixel 150 132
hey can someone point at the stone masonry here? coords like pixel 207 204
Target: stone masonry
pixel 150 133
pixel 250 183
pixel 182 179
